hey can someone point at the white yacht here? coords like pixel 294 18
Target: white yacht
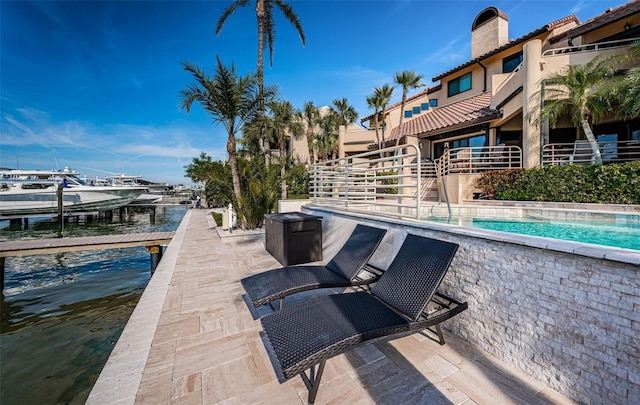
pixel 34 192
pixel 148 197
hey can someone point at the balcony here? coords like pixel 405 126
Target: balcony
pixel 580 152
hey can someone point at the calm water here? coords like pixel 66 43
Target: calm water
pixel 62 314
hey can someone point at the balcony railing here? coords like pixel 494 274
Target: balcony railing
pixel 580 152
pixel 591 47
pixel 479 158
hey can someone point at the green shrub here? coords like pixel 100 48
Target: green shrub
pixel 604 184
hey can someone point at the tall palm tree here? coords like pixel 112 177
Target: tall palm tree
pixel 383 96
pixel 231 100
pixel 282 123
pixel 326 141
pixel 581 92
pixel 347 114
pixel 309 115
pixel 408 79
pixel 266 32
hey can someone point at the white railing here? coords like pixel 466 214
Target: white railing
pixel 590 47
pixel 389 178
pixel 580 152
pixel 479 158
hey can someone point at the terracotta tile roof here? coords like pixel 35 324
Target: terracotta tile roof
pixel 409 99
pixel 467 112
pixel 609 16
pixel 546 28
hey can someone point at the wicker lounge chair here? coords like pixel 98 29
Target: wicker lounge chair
pixel 342 271
pixel 303 336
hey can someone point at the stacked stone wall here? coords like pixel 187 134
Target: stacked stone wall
pixel 568 320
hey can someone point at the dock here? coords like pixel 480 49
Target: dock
pixel 152 241
pixel 192 340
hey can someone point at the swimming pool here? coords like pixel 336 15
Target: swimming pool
pixel 617 231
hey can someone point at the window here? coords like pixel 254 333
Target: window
pixel 433 102
pixel 416 110
pixel 408 114
pixel 460 84
pixel 424 106
pixel 511 62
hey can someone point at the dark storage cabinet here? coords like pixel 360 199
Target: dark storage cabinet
pixel 294 237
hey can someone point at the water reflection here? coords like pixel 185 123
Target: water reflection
pixel 62 314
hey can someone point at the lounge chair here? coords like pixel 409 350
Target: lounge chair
pixel 303 336
pixel 342 271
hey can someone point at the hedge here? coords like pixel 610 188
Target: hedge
pixel 605 184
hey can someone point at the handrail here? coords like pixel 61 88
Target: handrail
pixel 589 47
pixel 476 159
pixel 389 177
pixel 439 176
pixel 554 154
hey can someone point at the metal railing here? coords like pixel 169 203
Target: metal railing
pixel 580 152
pixel 479 158
pixel 590 47
pixel 388 178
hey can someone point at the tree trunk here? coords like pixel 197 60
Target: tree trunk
pixel 260 72
pixel 283 172
pixel 592 141
pixel 235 177
pixel 377 134
pixel 404 100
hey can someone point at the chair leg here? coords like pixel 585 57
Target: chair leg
pixel 281 303
pixel 313 380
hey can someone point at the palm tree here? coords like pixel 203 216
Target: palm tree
pixel 347 114
pixel 626 90
pixel 230 99
pixel 266 31
pixel 309 115
pixel 581 92
pixel 326 142
pixel 383 97
pixel 408 79
pixel 283 121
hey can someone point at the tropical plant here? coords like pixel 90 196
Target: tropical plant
pixel 260 191
pixel 408 79
pixel 216 176
pixel 266 32
pixel 581 92
pixel 281 124
pixel 346 113
pixel 309 115
pixel 326 141
pixel 626 90
pixel 384 95
pixel 231 100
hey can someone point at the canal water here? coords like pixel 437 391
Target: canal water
pixel 63 313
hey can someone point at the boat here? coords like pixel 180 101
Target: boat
pixel 148 197
pixel 35 192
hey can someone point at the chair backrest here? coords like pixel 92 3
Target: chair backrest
pixel 582 152
pixel 357 251
pixel 415 274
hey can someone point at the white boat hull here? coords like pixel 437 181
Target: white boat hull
pixel 74 199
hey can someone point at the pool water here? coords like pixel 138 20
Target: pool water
pixel 623 235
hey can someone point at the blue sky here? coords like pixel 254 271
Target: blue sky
pixel 94 85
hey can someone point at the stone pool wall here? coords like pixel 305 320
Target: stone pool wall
pixel 569 320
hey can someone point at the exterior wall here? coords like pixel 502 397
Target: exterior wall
pixel 568 320
pixel 489 36
pixel 300 149
pixel 531 112
pixel 460 187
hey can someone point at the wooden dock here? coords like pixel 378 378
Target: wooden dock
pixel 152 241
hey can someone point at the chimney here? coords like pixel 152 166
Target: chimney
pixel 490 30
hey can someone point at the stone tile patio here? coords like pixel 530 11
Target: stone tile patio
pixel 192 340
